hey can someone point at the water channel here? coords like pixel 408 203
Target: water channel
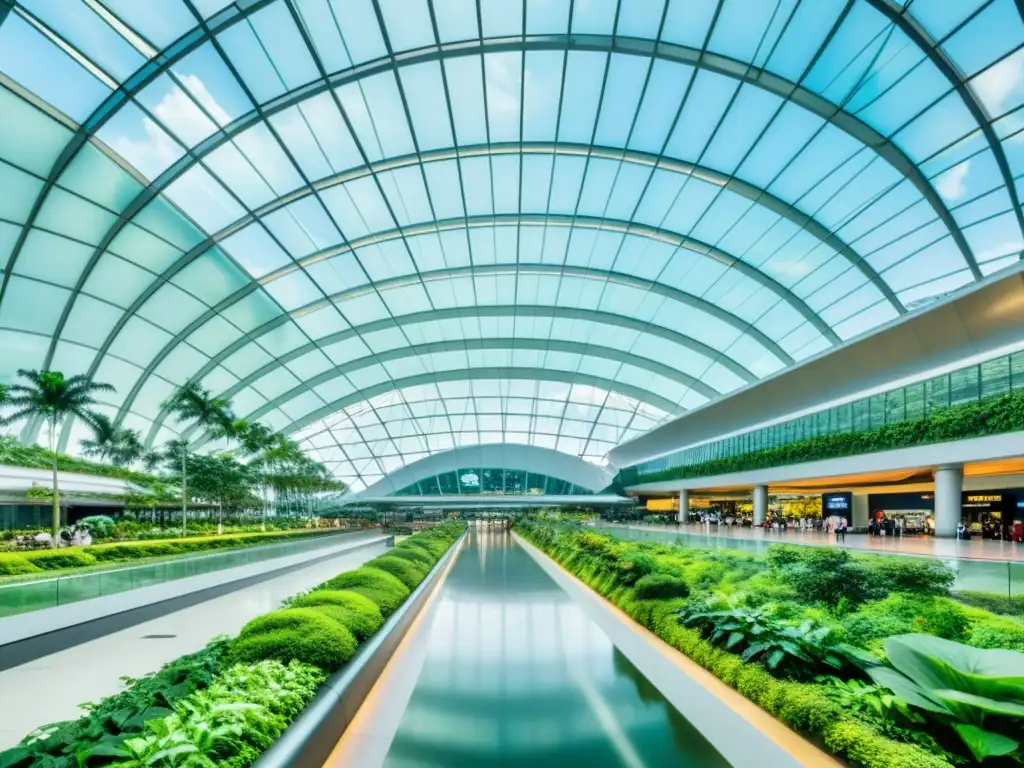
pixel 516 675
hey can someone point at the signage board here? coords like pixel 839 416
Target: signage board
pixel 837 505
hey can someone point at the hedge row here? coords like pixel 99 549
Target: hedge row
pixel 226 704
pixel 35 561
pixel 992 416
pixel 325 626
pixel 802 706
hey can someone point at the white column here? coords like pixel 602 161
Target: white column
pixel 860 512
pixel 760 503
pixel 684 505
pixel 949 486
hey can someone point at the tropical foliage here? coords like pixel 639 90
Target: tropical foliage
pixel 991 416
pixel 266 470
pixel 226 704
pixel 977 693
pixel 813 637
pixel 49 396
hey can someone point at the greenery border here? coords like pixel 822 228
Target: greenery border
pixel 992 416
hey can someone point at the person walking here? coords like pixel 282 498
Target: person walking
pixel 841 530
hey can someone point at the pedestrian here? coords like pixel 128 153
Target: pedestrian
pixel 842 529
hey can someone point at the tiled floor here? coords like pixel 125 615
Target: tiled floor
pixel 977 549
pixel 51 688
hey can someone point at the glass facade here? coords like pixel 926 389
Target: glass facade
pixel 492 481
pixel 914 401
pixel 394 227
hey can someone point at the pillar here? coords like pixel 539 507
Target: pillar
pixel 860 512
pixel 760 503
pixel 684 505
pixel 949 486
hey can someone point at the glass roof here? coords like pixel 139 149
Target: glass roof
pixel 398 226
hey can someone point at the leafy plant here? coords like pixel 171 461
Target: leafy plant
pixel 883 710
pixel 966 688
pixel 787 649
pixel 110 721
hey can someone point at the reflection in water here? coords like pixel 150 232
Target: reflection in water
pixel 516 675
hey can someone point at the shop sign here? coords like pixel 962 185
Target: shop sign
pixel 983 500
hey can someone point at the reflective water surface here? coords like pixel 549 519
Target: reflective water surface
pixel 516 675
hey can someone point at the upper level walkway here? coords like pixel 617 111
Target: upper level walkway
pixel 760 538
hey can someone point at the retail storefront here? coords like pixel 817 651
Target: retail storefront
pixel 984 512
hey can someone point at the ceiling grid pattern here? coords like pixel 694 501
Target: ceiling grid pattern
pixel 398 227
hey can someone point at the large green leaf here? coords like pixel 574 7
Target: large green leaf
pixel 936 663
pixel 958 700
pixel 906 689
pixel 16 756
pixel 984 743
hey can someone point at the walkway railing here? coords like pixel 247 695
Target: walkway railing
pixel 60 590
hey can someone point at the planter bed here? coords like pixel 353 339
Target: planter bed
pixel 46 563
pixel 867 656
pixel 228 703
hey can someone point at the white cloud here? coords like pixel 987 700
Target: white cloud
pixel 199 90
pixel 999 83
pixel 793 270
pixel 152 153
pixel 1005 248
pixel 951 185
pixel 154 150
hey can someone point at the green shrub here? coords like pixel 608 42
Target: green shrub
pixel 919 575
pixel 901 614
pixel 413 554
pixel 56 559
pixel 632 565
pixel 997 633
pixel 357 612
pixel 13 565
pixel 300 634
pixel 115 553
pixel 824 574
pixel 384 589
pixel 410 574
pixel 657 586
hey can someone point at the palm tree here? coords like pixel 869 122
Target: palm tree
pixel 103 443
pixel 129 447
pixel 118 446
pixel 150 460
pixel 253 440
pixel 52 397
pixel 192 403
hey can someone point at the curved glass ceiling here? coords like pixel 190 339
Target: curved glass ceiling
pixel 399 226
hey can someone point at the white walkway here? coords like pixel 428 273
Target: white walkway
pixel 51 688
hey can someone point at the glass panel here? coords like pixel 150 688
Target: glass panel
pixel 963 385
